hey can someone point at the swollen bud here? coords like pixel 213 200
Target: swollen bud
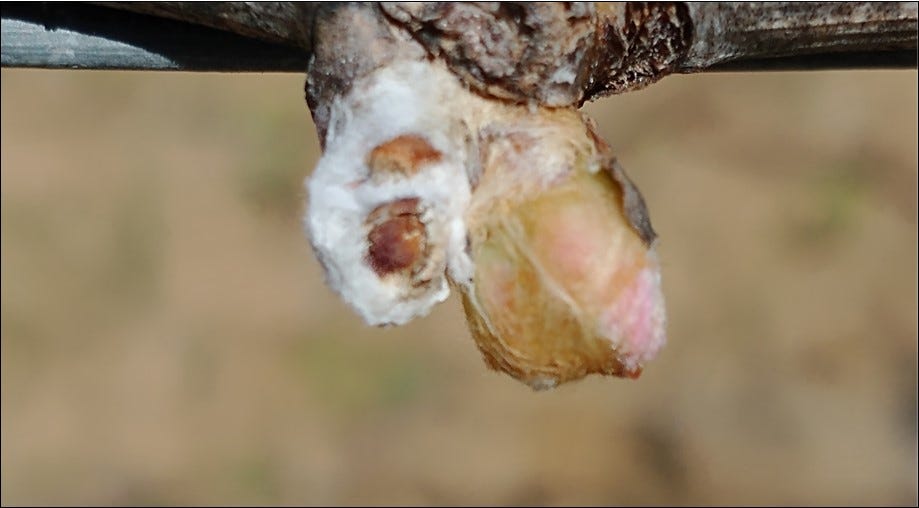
pixel 565 281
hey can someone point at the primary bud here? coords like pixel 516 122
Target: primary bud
pixel 565 282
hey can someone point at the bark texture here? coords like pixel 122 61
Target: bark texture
pixel 285 22
pixel 563 54
pixel 726 31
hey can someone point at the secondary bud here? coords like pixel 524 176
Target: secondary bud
pixel 387 198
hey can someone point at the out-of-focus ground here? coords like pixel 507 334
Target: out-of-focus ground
pixel 167 336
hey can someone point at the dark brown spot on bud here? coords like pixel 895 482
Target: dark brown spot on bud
pixel 396 244
pixel 397 237
pixel 403 155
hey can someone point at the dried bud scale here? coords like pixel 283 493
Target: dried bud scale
pixel 425 184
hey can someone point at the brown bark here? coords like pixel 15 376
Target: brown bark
pixel 564 54
pixel 755 30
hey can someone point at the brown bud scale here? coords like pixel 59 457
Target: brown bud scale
pixel 404 155
pixel 397 237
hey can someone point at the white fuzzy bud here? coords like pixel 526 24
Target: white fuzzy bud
pixel 386 201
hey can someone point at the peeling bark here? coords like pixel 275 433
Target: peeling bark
pixel 523 52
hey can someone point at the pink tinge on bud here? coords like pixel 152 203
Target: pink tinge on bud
pixel 564 286
pixel 634 322
pixel 589 252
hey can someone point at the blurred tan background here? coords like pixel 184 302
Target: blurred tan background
pixel 167 336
